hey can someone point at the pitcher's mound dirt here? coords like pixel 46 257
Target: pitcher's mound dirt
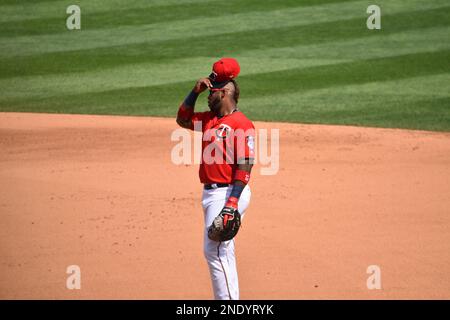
pixel 102 193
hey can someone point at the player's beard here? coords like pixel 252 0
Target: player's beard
pixel 215 105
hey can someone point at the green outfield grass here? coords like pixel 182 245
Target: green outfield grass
pixel 311 61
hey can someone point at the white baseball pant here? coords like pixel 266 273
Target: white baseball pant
pixel 220 255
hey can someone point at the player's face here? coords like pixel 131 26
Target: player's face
pixel 215 100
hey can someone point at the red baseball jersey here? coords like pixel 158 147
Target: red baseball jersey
pixel 226 140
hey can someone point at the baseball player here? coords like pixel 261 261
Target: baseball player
pixel 226 163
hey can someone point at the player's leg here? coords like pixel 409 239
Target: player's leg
pixel 221 255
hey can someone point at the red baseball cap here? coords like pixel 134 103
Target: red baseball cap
pixel 225 69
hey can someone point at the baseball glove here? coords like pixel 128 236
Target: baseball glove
pixel 226 225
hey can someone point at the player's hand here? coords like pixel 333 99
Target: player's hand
pixel 228 211
pixel 232 203
pixel 202 84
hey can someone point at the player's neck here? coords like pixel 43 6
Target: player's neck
pixel 228 110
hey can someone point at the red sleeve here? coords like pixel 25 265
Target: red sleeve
pixel 187 114
pixel 245 141
pixel 200 118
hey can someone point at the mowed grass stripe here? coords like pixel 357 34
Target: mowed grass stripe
pixel 15 12
pixel 143 15
pixel 377 45
pixel 26 2
pixel 354 72
pixel 373 110
pixel 138 75
pixel 163 100
pixel 346 97
pixel 85 39
pixel 253 62
pixel 408 89
pixel 418 102
pixel 229 45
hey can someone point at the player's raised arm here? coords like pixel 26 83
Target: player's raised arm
pixel 186 110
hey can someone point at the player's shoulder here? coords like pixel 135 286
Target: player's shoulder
pixel 207 114
pixel 203 116
pixel 242 121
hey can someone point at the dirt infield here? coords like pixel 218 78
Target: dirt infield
pixel 102 193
